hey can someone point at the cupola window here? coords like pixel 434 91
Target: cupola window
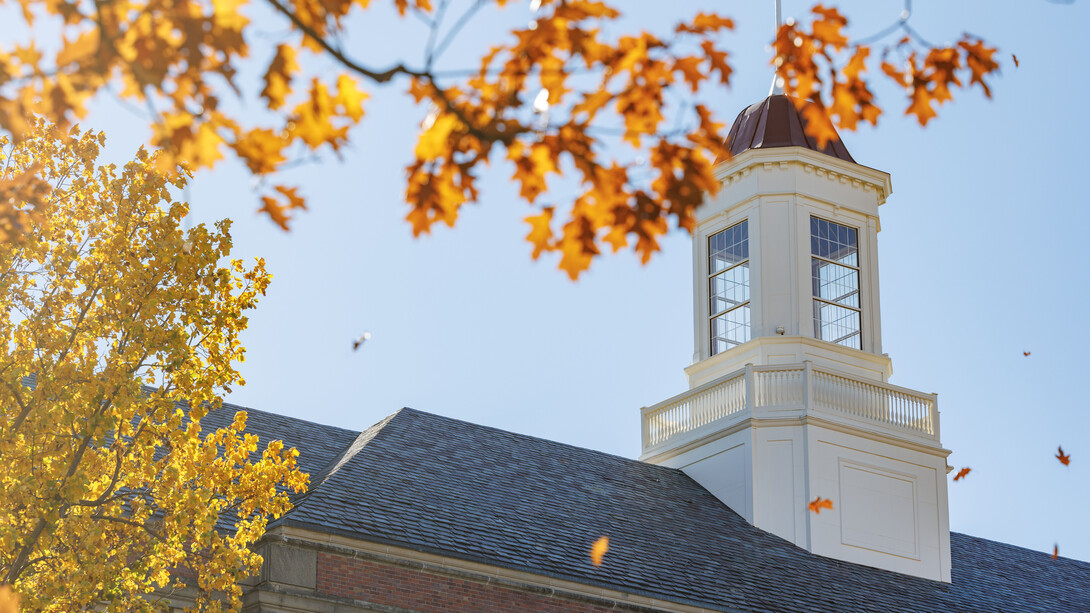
pixel 728 287
pixel 835 268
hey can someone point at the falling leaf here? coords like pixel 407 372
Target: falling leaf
pixel 598 550
pixel 820 503
pixel 9 600
pixel 1064 459
pixel 359 341
pixel 1055 551
pixel 1025 353
pixel 962 473
pixel 1015 58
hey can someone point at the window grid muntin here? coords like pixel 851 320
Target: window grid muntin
pixel 728 267
pixel 835 248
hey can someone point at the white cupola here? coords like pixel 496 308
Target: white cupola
pixel 789 398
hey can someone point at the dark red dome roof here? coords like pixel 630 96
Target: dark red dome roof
pixel 775 122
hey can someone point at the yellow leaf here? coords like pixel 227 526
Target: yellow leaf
pixel 433 141
pixel 349 97
pixel 85 46
pixel 262 150
pixel 227 16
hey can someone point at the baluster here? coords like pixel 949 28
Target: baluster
pixel 709 406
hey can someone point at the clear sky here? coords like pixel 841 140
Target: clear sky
pixel 983 255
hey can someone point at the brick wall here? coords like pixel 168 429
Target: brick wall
pixel 427 592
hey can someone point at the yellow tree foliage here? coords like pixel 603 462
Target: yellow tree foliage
pixel 558 95
pixel 111 317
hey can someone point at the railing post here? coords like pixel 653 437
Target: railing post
pixel 935 416
pixel 751 392
pixel 807 384
pixel 643 427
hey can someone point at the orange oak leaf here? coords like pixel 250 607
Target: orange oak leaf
pixel 598 550
pixel 921 105
pixel 541 234
pixel 962 473
pixel 278 76
pixel 1025 353
pixel 689 67
pixel 279 212
pixel 718 60
pixel 1064 459
pixel 1015 58
pixel 1055 551
pixel 705 22
pixel 978 57
pixel 819 503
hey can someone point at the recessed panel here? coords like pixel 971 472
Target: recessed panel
pixel 779 489
pixel 878 510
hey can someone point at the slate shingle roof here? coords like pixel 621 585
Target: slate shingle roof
pixel 466 491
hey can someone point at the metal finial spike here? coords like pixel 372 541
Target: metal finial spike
pixel 777 82
pixel 777 86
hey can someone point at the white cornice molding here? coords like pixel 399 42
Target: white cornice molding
pixel 879 362
pixel 811 162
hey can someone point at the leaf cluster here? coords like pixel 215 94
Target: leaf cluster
pixel 118 333
pixel 556 97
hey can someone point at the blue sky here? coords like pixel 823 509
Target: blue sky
pixel 983 256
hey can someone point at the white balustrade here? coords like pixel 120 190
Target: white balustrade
pixel 757 389
pixel 693 409
pixel 778 387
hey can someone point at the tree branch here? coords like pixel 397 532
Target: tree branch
pixel 375 75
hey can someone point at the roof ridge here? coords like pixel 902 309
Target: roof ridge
pixel 535 438
pixel 345 456
pixel 251 410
